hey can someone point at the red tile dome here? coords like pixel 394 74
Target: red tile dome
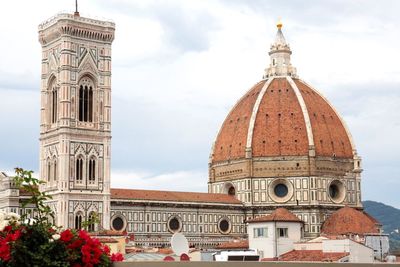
pixel 350 221
pixel 282 116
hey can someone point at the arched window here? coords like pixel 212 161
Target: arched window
pixel 92 170
pixel 92 222
pixel 48 171
pixel 79 170
pixel 55 170
pixel 53 102
pixel 78 221
pixel 85 109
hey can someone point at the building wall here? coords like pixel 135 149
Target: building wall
pixel 308 196
pixel 273 245
pixel 149 221
pixel 379 243
pixel 308 246
pixel 358 253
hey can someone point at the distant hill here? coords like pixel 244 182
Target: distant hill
pixel 389 217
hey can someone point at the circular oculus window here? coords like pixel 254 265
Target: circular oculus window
pixel 118 224
pixel 337 191
pixel 231 191
pixel 280 190
pixel 224 225
pixel 174 224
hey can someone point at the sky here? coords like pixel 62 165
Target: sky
pixel 179 66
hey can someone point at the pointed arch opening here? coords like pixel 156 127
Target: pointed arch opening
pixel 79 169
pixel 78 220
pixel 48 170
pixel 92 221
pixel 55 171
pixel 92 170
pixel 53 100
pixel 85 102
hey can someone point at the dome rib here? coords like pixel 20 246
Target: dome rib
pixel 306 116
pixel 279 129
pixel 255 112
pixel 330 134
pixel 242 108
pixel 346 128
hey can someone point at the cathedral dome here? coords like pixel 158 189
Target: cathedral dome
pixel 282 116
pixel 284 145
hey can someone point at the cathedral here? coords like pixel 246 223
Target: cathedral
pixel 281 145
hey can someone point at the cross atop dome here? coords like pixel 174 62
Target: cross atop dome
pixel 280 57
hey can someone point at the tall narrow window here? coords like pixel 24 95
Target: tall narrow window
pixel 86 104
pixel 78 221
pixel 79 170
pixel 90 104
pixel 48 171
pixel 92 222
pixel 55 171
pixel 92 171
pixel 85 108
pixel 81 103
pixel 54 102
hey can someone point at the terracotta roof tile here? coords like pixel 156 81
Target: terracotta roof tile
pixel 349 221
pixel 236 244
pixel 312 255
pixel 166 251
pixel 330 136
pixel 279 127
pixel 279 215
pixel 172 196
pixel 231 140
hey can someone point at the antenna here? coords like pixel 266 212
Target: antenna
pixel 76 9
pixel 179 244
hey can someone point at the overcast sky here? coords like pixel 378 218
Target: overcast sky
pixel 179 67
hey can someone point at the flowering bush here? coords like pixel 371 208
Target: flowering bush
pixel 37 242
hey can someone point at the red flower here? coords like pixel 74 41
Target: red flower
pixel 5 253
pixel 14 236
pixel 76 244
pixel 66 236
pixel 106 249
pixel 7 229
pixel 91 251
pixel 117 257
pixel 83 235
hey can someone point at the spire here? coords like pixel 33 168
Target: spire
pixel 76 13
pixel 280 57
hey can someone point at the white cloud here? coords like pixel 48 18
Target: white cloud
pixel 174 181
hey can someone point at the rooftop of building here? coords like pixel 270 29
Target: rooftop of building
pixel 312 255
pixel 235 244
pixel 278 215
pixel 350 221
pixel 174 196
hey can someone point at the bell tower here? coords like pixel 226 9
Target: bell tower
pixel 75 123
